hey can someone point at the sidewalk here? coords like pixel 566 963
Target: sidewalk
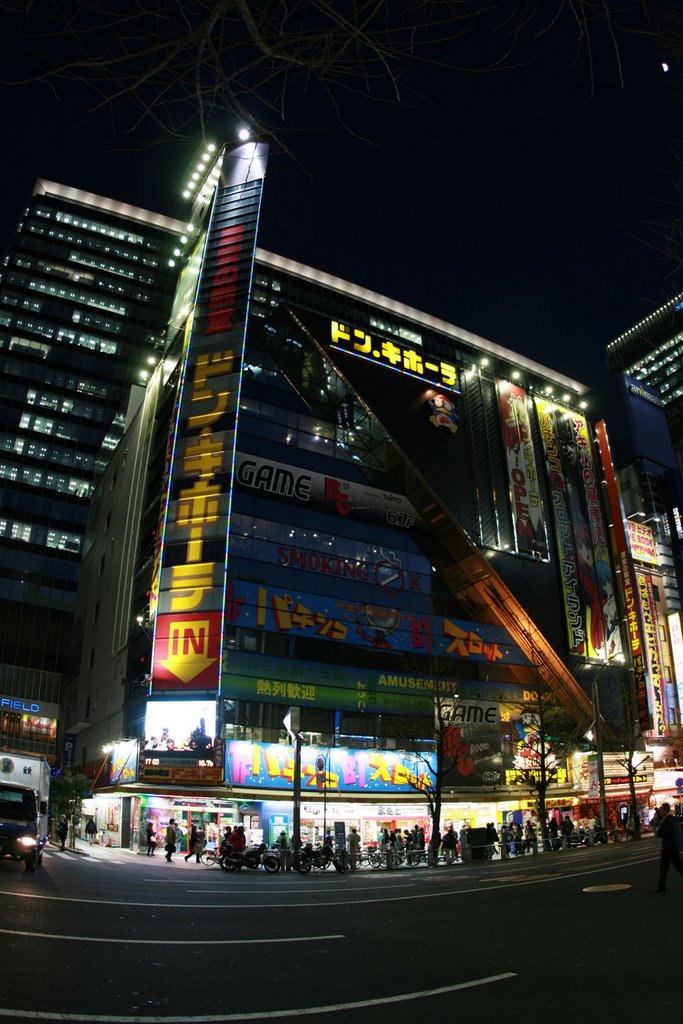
pixel 84 849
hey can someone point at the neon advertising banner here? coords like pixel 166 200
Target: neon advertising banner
pixel 653 651
pixel 634 619
pixel 337 769
pixel 581 536
pixel 642 542
pixel 189 623
pixel 375 626
pixel 525 498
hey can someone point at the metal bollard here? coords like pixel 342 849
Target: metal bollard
pixel 534 847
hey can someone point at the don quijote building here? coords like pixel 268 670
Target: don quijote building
pixel 337 511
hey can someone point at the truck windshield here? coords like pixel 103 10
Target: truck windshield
pixel 17 804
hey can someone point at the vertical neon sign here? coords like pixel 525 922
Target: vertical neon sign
pixel 189 625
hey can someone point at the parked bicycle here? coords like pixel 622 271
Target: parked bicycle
pixel 209 855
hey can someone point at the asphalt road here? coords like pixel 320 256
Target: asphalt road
pixel 122 938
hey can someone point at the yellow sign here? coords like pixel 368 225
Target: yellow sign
pixel 381 351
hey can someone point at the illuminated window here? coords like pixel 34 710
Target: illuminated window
pixel 62 540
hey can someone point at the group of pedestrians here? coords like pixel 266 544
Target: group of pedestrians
pixel 410 841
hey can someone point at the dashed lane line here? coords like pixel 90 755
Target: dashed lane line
pixel 260 1015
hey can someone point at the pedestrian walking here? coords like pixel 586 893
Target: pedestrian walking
pixel 449 843
pixel 566 828
pixel 151 838
pixel 90 830
pixel 669 832
pixel 171 839
pixel 63 831
pixel 194 845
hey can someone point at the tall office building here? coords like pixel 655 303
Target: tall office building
pixel 85 292
pixel 646 406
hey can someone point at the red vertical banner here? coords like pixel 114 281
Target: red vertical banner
pixel 631 602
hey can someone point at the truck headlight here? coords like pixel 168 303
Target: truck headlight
pixel 27 841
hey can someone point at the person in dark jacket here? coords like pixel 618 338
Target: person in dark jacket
pixel 194 845
pixel 669 831
pixel 63 830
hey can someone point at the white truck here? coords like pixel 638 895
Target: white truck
pixel 24 792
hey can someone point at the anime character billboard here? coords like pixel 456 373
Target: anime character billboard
pixel 580 532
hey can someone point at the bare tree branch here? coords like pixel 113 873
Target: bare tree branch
pixel 183 63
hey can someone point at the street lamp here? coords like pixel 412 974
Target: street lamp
pixel 598 747
pixel 292 723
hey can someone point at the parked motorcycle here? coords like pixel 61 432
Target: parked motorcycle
pixel 319 857
pixel 234 860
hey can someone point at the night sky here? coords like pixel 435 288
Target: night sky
pixel 511 203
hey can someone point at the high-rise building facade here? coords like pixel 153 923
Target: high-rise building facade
pixel 341 507
pixel 85 293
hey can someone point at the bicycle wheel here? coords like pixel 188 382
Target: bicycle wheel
pixel 208 857
pixel 271 862
pixel 375 859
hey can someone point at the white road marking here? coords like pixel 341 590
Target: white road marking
pixel 261 1015
pixel 166 942
pixel 325 903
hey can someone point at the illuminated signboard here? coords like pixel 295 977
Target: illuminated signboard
pixel 642 542
pixel 193 550
pixel 523 485
pixel 180 742
pixel 676 640
pixel 123 764
pixel 652 650
pixel 340 769
pixel 615 771
pixel 344 687
pixel 411 362
pixel 634 621
pixel 580 531
pixel 324 493
pixel 293 613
